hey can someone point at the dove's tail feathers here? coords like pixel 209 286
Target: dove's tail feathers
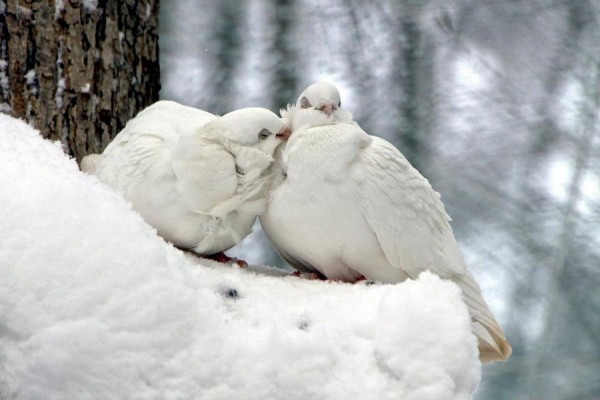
pixel 89 163
pixel 493 345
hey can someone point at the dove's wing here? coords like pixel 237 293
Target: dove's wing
pixel 141 152
pixel 413 229
pixel 205 173
pixel 131 158
pixel 405 213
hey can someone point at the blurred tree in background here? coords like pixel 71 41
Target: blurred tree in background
pixel 226 41
pixel 496 102
pixel 284 79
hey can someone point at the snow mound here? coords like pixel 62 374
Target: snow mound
pixel 93 304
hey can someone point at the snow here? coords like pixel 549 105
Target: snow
pixel 93 304
pixel 61 83
pixel 60 88
pixel 559 175
pixel 31 81
pixel 569 104
pixel 30 77
pixel 4 84
pixel 59 7
pixel 473 73
pixel 90 5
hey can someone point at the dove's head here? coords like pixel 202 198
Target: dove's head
pixel 322 96
pixel 318 105
pixel 255 127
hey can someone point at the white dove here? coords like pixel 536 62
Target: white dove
pixel 350 206
pixel 199 179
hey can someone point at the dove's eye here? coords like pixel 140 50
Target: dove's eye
pixel 262 135
pixel 304 103
pixel 340 104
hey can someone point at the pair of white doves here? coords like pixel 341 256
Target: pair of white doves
pixel 333 200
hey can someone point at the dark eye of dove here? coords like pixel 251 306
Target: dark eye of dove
pixel 304 103
pixel 263 134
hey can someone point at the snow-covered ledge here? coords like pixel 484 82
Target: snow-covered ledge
pixel 94 305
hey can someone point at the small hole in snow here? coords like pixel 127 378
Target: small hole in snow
pixel 303 325
pixel 229 293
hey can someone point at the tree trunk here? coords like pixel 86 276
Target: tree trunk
pixel 78 71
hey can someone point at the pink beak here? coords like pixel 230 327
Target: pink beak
pixel 327 108
pixel 284 134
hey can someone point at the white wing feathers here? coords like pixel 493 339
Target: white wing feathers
pixel 203 182
pixel 130 158
pixel 418 235
pixel 418 214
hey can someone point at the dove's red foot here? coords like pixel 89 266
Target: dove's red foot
pixel 311 276
pixel 318 276
pixel 225 259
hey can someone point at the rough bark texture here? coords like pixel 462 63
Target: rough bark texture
pixel 78 71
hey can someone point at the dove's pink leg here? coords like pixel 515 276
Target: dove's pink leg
pixel 225 259
pixel 318 276
pixel 311 276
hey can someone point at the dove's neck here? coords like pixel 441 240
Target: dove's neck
pixel 296 118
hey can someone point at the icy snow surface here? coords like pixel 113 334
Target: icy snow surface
pixel 94 305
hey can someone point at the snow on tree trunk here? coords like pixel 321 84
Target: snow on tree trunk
pixel 78 71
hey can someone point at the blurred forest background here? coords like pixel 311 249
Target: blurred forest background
pixel 495 102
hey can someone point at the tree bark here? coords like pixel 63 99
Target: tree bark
pixel 78 71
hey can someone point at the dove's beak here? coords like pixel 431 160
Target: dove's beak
pixel 284 134
pixel 328 108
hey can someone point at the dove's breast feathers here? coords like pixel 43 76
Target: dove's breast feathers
pixel 324 152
